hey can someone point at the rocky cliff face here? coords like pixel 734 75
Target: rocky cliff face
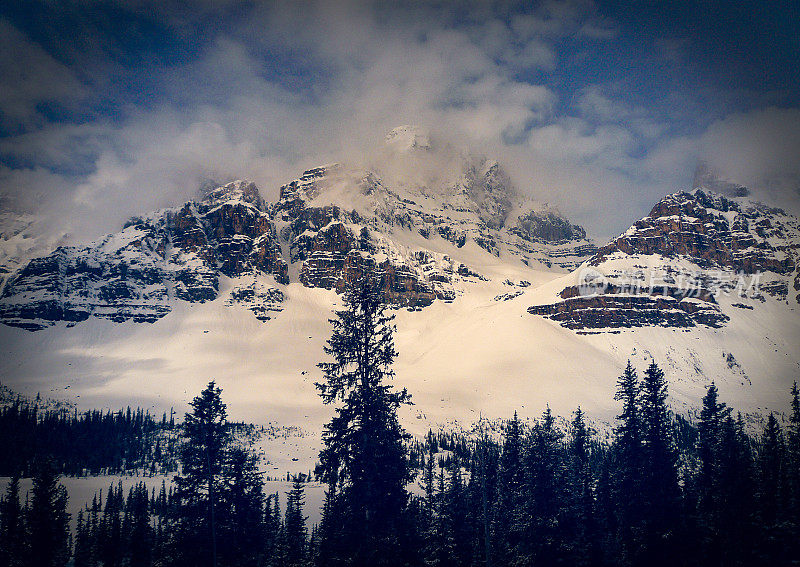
pixel 338 222
pixel 327 228
pixel 177 254
pixel 715 232
pixel 616 308
pixel 670 268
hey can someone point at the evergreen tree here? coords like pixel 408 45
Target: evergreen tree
pixel 295 532
pixel 455 506
pixel 272 527
pixel 582 497
pixel 333 549
pixel 364 459
pixel 793 467
pixel 771 492
pixel 709 489
pixel 242 536
pixel 194 525
pixel 736 506
pixel 506 530
pixel 109 536
pixel 661 493
pixel 628 469
pixel 48 520
pixel 482 484
pixel 541 515
pixel 12 527
pixel 606 511
pixel 83 552
pixel 429 504
pixel 140 532
pixel 439 548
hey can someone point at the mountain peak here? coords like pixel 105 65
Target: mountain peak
pixel 709 179
pixel 408 137
pixel 239 190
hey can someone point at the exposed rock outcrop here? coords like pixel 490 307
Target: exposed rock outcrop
pixel 134 274
pixel 610 311
pixel 714 231
pixel 646 277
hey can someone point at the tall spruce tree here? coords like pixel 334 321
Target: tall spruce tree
pixel 13 537
pixel 483 483
pixel 627 481
pixel 242 536
pixel 429 504
pixel 661 494
pixel 506 530
pixel 585 546
pixel 272 528
pixel 109 534
pixel 457 511
pixel 735 492
pixel 772 493
pixel 364 459
pixel 194 526
pixel 139 534
pixel 543 491
pixel 709 489
pixel 83 552
pixel 295 534
pixel 793 462
pixel 48 520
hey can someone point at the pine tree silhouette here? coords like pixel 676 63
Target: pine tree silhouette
pixel 364 460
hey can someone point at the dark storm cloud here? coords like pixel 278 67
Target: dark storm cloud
pixel 109 109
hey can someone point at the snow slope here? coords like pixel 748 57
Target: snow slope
pixel 476 355
pixel 468 262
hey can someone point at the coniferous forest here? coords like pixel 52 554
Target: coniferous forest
pixel 662 491
pixel 91 442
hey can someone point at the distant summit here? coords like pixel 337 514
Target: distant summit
pixel 709 179
pixel 424 237
pixel 407 138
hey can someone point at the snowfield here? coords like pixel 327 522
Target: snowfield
pixel 478 355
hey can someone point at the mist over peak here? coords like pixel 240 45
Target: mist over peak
pixel 407 138
pixel 706 177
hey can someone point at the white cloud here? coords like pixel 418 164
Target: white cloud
pixel 360 72
pixel 759 149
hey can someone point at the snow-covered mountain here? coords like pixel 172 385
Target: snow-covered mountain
pixel 22 239
pixel 503 303
pixel 327 227
pixel 678 266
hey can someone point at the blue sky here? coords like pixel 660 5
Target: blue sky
pixel 108 109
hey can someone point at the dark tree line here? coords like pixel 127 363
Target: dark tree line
pixel 35 533
pixel 662 491
pixel 91 442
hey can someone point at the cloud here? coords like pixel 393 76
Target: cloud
pixel 759 149
pixel 263 90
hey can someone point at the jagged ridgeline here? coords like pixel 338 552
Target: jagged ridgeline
pixel 328 227
pixel 695 260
